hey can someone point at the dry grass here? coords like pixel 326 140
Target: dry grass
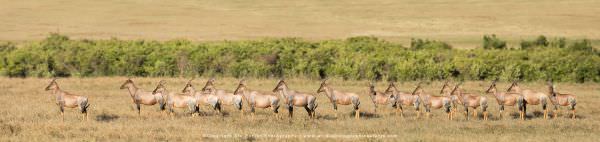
pixel 29 114
pixel 460 22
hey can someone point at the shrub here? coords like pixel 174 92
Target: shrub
pixel 419 44
pixel 492 42
pixel 353 58
pixel 540 41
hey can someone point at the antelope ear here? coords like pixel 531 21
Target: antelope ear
pixel 162 82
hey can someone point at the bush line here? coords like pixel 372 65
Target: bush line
pixel 354 58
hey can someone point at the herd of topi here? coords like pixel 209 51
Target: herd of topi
pixel 449 100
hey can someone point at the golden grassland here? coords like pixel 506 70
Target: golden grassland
pixel 461 23
pixel 28 113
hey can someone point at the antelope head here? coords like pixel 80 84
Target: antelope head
pixel 52 86
pixel 514 87
pixel 372 89
pixel 323 86
pixel 456 89
pixel 551 89
pixel 280 85
pixel 418 89
pixel 241 87
pixel 188 86
pixel 160 88
pixel 127 84
pixel 492 87
pixel 445 86
pixel 391 88
pixel 209 86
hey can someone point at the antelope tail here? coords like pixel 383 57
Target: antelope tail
pixel 483 103
pixel 84 105
pixel 572 102
pixel 447 106
pixel 521 102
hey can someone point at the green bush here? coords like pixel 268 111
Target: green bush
pixel 492 42
pixel 353 58
pixel 419 44
pixel 540 41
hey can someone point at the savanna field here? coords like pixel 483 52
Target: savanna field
pixel 29 114
pixel 92 47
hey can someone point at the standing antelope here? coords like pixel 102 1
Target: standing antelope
pixel 378 98
pixel 202 97
pixel 296 99
pixel 430 101
pixel 342 98
pixel 177 100
pixel 470 100
pixel 507 99
pixel 561 99
pixel 445 91
pixel 402 98
pixel 256 99
pixel 225 97
pixel 139 96
pixel 531 98
pixel 66 99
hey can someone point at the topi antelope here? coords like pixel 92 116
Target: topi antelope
pixel 561 99
pixel 177 100
pixel 293 99
pixel 341 98
pixel 468 100
pixel 203 97
pixel 402 98
pixel 256 99
pixel 139 96
pixel 445 91
pixel 378 98
pixel 531 98
pixel 66 99
pixel 507 99
pixel 225 97
pixel 430 101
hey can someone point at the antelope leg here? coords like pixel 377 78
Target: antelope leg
pixel 357 114
pixel 336 114
pixel 485 115
pixel 242 113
